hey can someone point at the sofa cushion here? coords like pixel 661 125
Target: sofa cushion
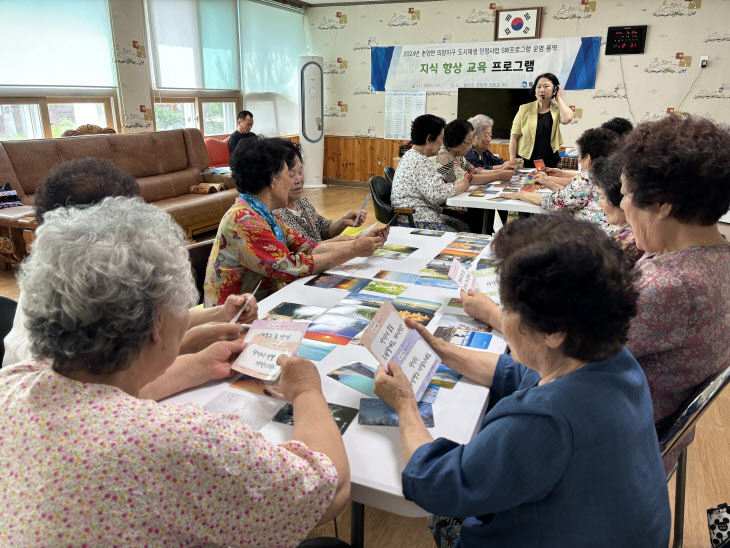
pixel 170 149
pixel 192 210
pixel 85 146
pixel 218 152
pixel 169 185
pixel 136 153
pixel 31 161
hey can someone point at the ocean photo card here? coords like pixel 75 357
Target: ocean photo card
pixel 374 412
pixel 294 311
pixel 314 350
pixel 389 339
pixel 437 282
pixel 462 276
pixel 405 277
pixel 356 375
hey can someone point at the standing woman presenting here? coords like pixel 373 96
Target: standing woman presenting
pixel 535 130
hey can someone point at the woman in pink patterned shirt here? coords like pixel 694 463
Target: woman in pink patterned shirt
pixel 675 188
pixel 87 462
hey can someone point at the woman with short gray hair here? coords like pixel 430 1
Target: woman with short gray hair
pixel 108 289
pixel 480 155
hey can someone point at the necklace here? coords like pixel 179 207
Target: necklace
pixel 710 240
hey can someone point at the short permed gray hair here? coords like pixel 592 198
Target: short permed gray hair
pixel 480 123
pixel 96 280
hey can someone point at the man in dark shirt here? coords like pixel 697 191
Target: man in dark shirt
pixel 244 123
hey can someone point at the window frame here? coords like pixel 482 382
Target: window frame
pixel 107 99
pixel 198 98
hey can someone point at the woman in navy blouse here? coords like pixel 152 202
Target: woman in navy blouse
pixel 567 455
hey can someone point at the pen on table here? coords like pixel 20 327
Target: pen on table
pixel 238 314
pixel 362 208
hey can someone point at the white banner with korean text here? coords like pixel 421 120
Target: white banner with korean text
pixel 448 67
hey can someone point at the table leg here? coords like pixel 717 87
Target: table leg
pixel 357 527
pixel 503 215
pixel 488 223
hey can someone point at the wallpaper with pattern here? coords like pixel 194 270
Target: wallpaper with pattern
pixel 638 87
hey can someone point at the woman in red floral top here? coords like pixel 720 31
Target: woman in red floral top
pixel 252 245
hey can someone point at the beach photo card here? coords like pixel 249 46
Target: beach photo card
pixel 314 350
pixel 388 339
pixel 417 310
pixel 426 232
pixel 293 311
pixel 335 329
pixel 445 378
pixel 373 412
pixel 356 375
pixel 462 276
pixel 394 251
pixel 255 412
pixel 386 288
pixel 343 415
pixel 404 277
pixel 361 312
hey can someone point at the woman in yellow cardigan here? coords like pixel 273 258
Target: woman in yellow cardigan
pixel 535 130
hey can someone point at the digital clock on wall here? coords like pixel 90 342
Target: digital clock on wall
pixel 626 40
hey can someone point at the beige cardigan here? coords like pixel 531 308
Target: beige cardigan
pixel 525 125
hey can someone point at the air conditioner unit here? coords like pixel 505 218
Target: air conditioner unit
pixel 311 107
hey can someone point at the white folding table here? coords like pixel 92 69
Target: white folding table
pixel 374 451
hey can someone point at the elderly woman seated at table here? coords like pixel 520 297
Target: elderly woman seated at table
pixel 569 441
pixel 675 189
pixel 418 185
pixel 88 181
pixel 579 197
pixel 606 175
pixel 252 246
pixel 451 163
pixel 85 460
pixel 480 155
pixel 301 216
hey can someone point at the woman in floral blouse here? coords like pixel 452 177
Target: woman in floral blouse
pixel 579 197
pixel 300 215
pixel 88 462
pixel 252 246
pixel 418 185
pixel 606 175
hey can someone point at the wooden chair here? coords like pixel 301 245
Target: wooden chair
pixel 384 211
pixel 684 422
pixel 87 129
pixel 199 254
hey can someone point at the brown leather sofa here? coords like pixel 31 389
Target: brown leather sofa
pixel 165 163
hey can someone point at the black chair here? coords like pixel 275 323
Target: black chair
pixel 199 253
pixel 680 427
pixel 7 315
pixel 384 212
pixel 389 174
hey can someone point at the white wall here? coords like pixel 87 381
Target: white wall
pixel 654 81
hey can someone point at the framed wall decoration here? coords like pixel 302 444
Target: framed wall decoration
pixel 517 24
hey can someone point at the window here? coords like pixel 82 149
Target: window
pixel 275 41
pixel 58 43
pixel 218 114
pixel 195 44
pixel 39 117
pixel 20 122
